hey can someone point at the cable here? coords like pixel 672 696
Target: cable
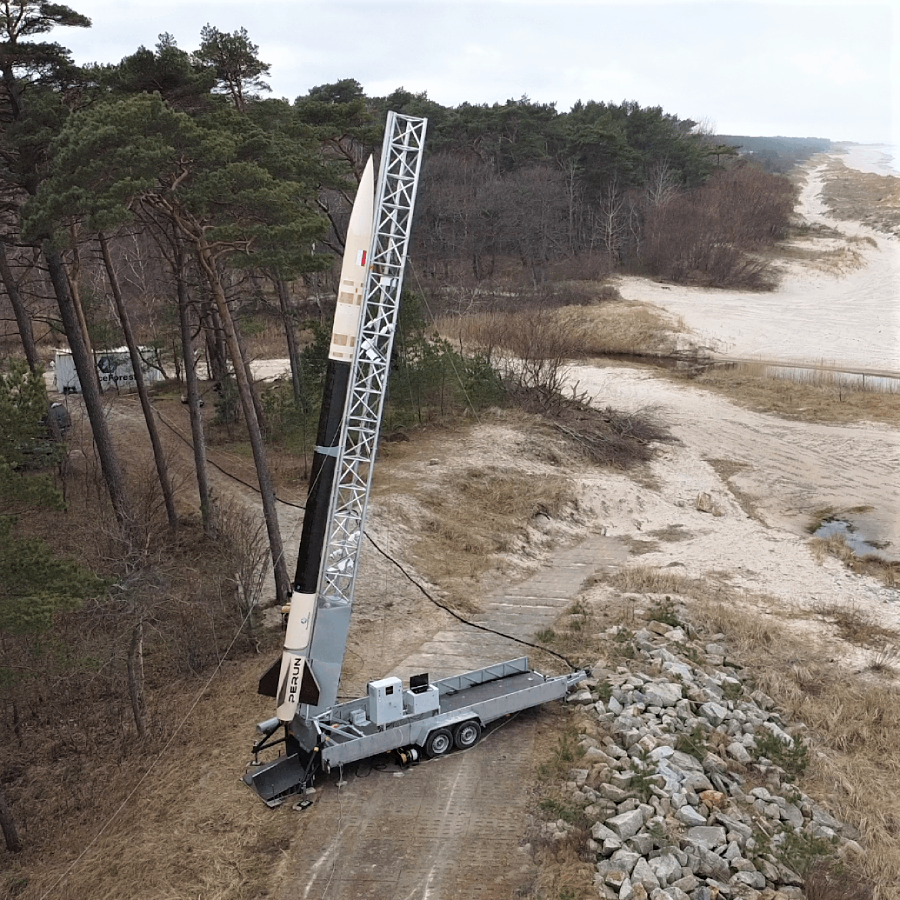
pixel 400 567
pixel 153 765
pixel 215 465
pixel 462 619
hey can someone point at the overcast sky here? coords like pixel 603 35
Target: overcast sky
pixel 787 67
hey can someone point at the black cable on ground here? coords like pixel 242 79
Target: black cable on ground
pixel 462 619
pixel 392 560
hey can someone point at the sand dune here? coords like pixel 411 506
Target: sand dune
pixel 844 314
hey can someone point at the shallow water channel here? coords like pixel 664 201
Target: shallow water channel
pixel 853 538
pixel 693 366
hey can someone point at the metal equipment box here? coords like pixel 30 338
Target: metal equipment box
pixel 385 701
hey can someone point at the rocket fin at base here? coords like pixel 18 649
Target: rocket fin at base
pixel 309 688
pixel 268 682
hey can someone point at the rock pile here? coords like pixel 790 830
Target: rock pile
pixel 691 795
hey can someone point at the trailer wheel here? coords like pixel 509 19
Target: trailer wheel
pixel 438 742
pixel 467 734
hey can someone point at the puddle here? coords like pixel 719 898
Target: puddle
pixel 851 535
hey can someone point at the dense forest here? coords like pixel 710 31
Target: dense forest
pixel 166 202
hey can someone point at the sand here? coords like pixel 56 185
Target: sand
pixel 766 477
pixel 847 317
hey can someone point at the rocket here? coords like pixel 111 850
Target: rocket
pixel 296 679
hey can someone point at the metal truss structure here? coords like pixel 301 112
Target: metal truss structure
pixel 398 181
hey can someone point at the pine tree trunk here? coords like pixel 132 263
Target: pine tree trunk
pixel 291 338
pixel 75 294
pixel 215 343
pixel 23 320
pixel 245 391
pixel 193 394
pixel 135 666
pixel 137 365
pixel 84 366
pixel 8 826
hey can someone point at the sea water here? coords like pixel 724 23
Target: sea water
pixel 879 159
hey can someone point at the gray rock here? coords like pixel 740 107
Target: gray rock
pixel 666 868
pixel 626 824
pixel 621 779
pixel 673 892
pixel 714 713
pixel 789 876
pixel 752 879
pixel 738 751
pixel 696 782
pixel 674 667
pixel 773 811
pixel 687 815
pixel 626 859
pixel 600 832
pixel 610 845
pixel 732 824
pixel 611 792
pixel 713 763
pixel 686 883
pixel 595 755
pixel 792 815
pixel 684 762
pixel 641 843
pixel 643 874
pixel 820 817
pixel 662 694
pixel 706 836
pixel 823 832
pixel 711 865
pixel 782 736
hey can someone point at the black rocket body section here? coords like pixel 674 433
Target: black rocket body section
pixel 296 682
pixel 312 537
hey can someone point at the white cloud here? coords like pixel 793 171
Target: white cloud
pixel 787 66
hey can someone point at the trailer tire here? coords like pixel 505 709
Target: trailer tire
pixel 438 742
pixel 467 734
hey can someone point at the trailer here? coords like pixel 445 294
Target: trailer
pixel 114 370
pixel 426 718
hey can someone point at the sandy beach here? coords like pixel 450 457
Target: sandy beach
pixel 844 313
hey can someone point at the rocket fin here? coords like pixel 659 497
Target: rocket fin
pixel 268 682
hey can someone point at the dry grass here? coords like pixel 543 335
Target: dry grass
pixel 863 196
pixel 886 571
pixel 836 260
pixel 191 829
pixel 828 882
pixel 856 626
pixel 852 724
pixel 473 520
pixel 584 331
pixel 651 580
pixel 823 399
pixel 851 719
